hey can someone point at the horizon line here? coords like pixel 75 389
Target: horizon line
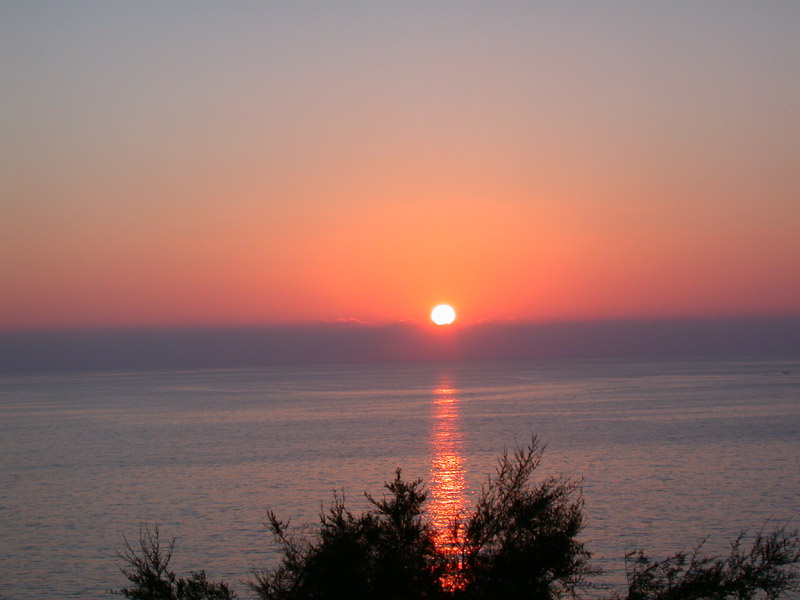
pixel 361 323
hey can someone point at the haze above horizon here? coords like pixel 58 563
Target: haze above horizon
pixel 254 164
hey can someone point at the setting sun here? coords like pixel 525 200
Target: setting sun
pixel 444 314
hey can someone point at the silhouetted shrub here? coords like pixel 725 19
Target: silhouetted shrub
pixel 388 552
pixel 148 570
pixel 766 569
pixel 521 539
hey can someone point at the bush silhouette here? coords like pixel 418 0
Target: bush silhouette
pixel 148 570
pixel 387 552
pixel 766 569
pixel 520 541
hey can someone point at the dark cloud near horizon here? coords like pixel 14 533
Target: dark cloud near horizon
pixel 331 343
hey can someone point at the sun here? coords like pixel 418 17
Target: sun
pixel 443 314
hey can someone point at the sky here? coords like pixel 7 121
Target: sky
pixel 252 163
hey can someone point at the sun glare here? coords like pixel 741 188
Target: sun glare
pixel 443 314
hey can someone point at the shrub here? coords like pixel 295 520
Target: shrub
pixel 521 539
pixel 766 569
pixel 148 570
pixel 388 552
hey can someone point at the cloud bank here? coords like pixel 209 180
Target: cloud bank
pixel 331 343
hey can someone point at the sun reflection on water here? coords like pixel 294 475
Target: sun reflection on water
pixel 447 480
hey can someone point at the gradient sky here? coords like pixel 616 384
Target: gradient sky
pixel 189 163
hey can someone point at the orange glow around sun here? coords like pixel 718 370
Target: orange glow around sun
pixel 295 198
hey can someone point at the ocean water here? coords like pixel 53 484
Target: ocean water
pixel 669 452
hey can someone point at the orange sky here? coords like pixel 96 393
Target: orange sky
pixel 261 165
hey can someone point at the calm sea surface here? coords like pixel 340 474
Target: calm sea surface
pixel 669 452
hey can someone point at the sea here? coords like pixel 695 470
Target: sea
pixel 669 452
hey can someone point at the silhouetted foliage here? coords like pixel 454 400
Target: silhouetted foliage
pixel 387 552
pixel 766 569
pixel 520 541
pixel 148 570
